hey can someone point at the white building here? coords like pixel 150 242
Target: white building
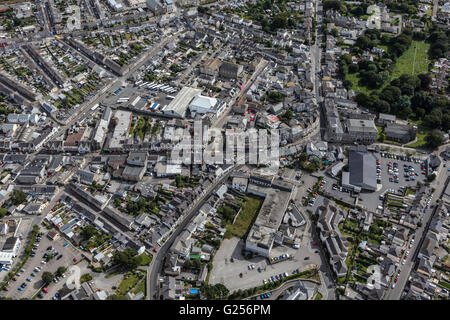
pixel 6 258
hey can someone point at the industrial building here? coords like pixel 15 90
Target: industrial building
pixel 178 106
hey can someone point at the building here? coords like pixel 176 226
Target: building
pixel 121 122
pixel 101 129
pixel 202 105
pixel 156 7
pixel 12 245
pixel 384 119
pixel 261 237
pixel 402 133
pixel 230 70
pixel 329 218
pixel 362 166
pixel 6 258
pixel 178 106
pixel 362 131
pixel 240 184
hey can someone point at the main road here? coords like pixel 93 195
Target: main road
pixel 155 266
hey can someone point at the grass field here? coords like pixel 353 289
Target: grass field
pixel 128 283
pixel 413 61
pixel 249 210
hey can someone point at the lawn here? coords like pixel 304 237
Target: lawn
pixel 144 259
pixel 407 64
pixel 380 130
pixel 129 281
pixel 140 287
pixel 248 213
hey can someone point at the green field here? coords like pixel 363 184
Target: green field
pixel 129 282
pixel 249 210
pixel 413 61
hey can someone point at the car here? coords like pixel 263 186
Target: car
pixel 262 296
pixel 33 274
pixel 241 275
pixel 154 250
pixel 28 279
pixel 249 267
pixel 49 248
pixel 20 288
pixel 315 244
pixel 404 261
pixel 65 244
pixel 393 286
pixel 272 278
pixel 75 260
pixel 264 281
pixel 114 287
pixel 40 295
pixel 59 257
pixel 406 256
pixel 45 290
pixel 43 262
pixel 396 279
pixel 306 258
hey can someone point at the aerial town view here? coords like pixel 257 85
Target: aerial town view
pixel 224 150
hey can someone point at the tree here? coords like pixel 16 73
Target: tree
pixel 391 94
pixel 425 81
pixel 3 212
pixel 347 84
pixel 17 197
pixel 47 277
pixel 61 270
pixel 434 139
pixel 364 42
pixel 125 258
pixel 332 4
pixel 88 232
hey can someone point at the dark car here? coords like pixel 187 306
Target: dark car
pixel 59 257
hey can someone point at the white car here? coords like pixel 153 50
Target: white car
pixel 404 261
pixel 43 262
pixel 393 285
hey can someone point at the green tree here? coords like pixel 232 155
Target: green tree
pixel 434 139
pixel 88 232
pixel 47 277
pixel 125 258
pixel 17 197
pixel 61 270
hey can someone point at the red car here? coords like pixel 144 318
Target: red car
pixel 396 279
pixel 315 244
pixel 240 274
pixel 406 256
pixel 154 250
pixel 45 290
pixel 75 260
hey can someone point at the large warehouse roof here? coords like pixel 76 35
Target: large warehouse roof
pixel 179 105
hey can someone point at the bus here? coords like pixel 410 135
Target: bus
pixel 94 107
pixel 170 97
